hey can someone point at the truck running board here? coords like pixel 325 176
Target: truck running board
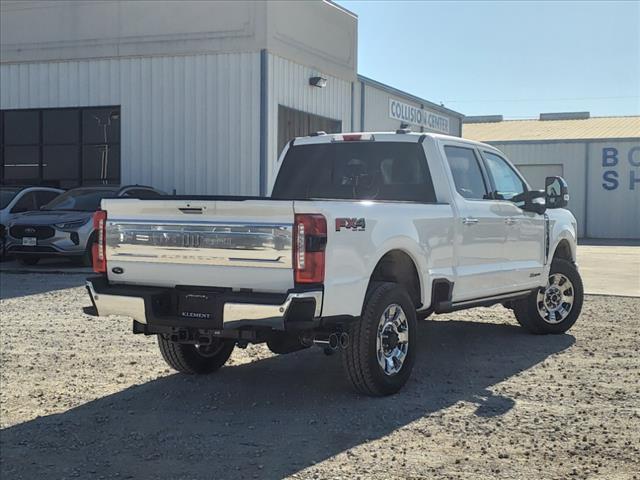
pixel 442 291
pixel 448 306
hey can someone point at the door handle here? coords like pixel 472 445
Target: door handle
pixel 510 221
pixel 469 221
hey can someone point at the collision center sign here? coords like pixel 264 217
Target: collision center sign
pixel 418 116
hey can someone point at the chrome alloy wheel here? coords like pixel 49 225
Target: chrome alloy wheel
pixel 392 341
pixel 556 299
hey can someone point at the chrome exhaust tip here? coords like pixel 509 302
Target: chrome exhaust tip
pixel 335 341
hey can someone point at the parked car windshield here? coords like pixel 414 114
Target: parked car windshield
pixel 395 171
pixel 80 199
pixel 6 195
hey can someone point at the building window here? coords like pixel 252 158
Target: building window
pixel 62 147
pixel 294 123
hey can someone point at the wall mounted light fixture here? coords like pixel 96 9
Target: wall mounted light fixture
pixel 319 82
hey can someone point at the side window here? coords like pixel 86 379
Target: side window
pixel 506 182
pixel 27 202
pixel 466 172
pixel 44 197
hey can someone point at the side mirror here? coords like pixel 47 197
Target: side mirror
pixel 527 201
pixel 556 192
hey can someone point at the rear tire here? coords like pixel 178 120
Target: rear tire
pixel 385 335
pixel 30 261
pixel 192 359
pixel 87 258
pixel 554 308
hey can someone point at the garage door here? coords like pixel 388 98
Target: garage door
pixel 535 174
pixel 294 123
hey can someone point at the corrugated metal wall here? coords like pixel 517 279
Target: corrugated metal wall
pixel 613 199
pixel 188 122
pixel 288 85
pixel 603 178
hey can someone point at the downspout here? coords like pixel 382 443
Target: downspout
pixel 362 106
pixel 586 189
pixel 264 123
pixel 352 106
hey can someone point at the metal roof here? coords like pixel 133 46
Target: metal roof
pixel 528 130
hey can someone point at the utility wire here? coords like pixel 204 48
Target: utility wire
pixel 541 99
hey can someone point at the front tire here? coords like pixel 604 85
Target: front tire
pixel 195 359
pixel 382 344
pixel 554 308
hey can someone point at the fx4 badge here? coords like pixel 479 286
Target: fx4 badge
pixel 355 224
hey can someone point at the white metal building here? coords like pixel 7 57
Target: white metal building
pixel 598 156
pixel 197 97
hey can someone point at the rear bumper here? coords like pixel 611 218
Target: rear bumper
pixel 156 307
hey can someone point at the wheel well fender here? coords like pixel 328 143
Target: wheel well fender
pixel 564 248
pixel 398 266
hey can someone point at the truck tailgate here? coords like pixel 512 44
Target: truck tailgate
pixel 213 243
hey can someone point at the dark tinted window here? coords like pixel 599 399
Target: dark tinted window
pixel 60 162
pixel 466 172
pixel 44 197
pixel 22 127
pixel 60 126
pixel 26 203
pixel 80 199
pixel 49 147
pixel 100 162
pixel 21 163
pixel 101 125
pixel 141 193
pixel 356 170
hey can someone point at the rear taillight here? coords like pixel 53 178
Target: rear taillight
pixel 309 240
pixel 98 249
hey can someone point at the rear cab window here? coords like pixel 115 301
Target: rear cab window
pixel 355 170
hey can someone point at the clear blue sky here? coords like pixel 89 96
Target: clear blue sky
pixel 512 58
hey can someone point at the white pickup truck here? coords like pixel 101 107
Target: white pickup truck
pixel 363 234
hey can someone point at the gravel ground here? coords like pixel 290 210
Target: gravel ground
pixel 84 398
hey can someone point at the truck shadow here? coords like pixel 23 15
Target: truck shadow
pixel 270 418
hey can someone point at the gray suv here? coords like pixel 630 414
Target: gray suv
pixel 15 200
pixel 64 226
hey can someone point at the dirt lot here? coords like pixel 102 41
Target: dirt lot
pixel 84 398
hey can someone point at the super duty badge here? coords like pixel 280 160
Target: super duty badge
pixel 355 224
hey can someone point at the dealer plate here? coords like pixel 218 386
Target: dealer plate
pixel 197 305
pixel 29 241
